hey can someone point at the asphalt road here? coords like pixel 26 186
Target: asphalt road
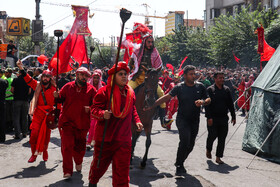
pixel 160 170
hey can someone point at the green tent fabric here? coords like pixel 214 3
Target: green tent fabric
pixel 265 112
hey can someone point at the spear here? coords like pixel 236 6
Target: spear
pixel 92 48
pixel 125 15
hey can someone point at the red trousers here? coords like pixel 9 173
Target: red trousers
pixel 91 130
pixel 34 137
pixel 119 154
pixel 73 146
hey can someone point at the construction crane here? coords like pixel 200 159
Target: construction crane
pixel 112 11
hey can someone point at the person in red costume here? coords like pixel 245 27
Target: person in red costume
pixel 117 145
pixel 166 81
pixel 96 81
pixel 172 104
pixel 74 121
pixel 41 104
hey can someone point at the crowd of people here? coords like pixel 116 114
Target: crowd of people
pixel 28 95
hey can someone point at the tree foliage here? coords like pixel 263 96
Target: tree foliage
pixel 237 34
pixel 216 45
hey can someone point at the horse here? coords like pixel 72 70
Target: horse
pixel 146 95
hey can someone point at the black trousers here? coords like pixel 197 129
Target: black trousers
pixel 188 130
pixel 219 130
pixel 2 122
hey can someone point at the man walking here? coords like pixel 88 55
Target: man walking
pixel 191 96
pixel 74 121
pixel 217 118
pixel 41 104
pixel 20 114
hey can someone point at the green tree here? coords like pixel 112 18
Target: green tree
pixel 237 34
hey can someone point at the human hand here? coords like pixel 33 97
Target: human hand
pixel 56 94
pixel 199 103
pixel 87 109
pixel 210 122
pixel 107 114
pixel 233 121
pixel 19 64
pixel 139 127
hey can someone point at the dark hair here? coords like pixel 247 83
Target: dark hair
pixel 11 41
pixel 218 73
pixel 188 68
pixel 40 70
pixel 30 72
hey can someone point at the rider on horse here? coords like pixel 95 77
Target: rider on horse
pixel 142 59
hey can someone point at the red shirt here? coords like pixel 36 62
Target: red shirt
pixel 118 129
pixel 74 101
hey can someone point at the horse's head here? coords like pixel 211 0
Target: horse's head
pixel 151 84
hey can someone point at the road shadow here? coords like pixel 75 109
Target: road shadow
pixel 223 168
pixel 187 180
pixel 26 144
pixel 32 172
pixel 74 181
pixel 89 153
pixel 144 177
pixel 56 141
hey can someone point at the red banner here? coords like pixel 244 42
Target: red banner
pixel 260 39
pixel 74 44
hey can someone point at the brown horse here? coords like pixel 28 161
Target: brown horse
pixel 146 96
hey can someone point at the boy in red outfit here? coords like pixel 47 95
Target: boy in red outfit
pixel 117 145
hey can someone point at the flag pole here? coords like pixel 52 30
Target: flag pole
pixel 125 15
pixel 57 33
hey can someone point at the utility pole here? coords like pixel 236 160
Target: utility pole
pixel 187 19
pixel 37 49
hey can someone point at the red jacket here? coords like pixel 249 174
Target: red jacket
pixel 74 101
pixel 118 129
pixel 39 115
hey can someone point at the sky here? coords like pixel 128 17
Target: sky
pixel 105 23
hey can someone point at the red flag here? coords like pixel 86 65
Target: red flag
pixel 236 59
pixel 260 31
pixel 74 44
pixel 264 49
pixel 183 62
pixel 42 59
pixel 169 66
pixel 268 51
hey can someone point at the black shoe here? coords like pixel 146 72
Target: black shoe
pixel 180 170
pixel 24 136
pixel 16 137
pixel 92 185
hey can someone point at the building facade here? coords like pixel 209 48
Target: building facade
pixel 173 20
pixel 193 23
pixel 214 8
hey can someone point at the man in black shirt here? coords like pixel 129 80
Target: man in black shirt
pixel 217 118
pixel 191 96
pixel 21 105
pixel 3 87
pixel 11 49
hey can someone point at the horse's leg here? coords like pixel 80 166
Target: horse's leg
pixel 148 144
pixel 135 136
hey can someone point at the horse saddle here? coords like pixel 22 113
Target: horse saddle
pixel 52 119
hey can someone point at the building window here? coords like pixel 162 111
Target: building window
pixel 214 13
pixel 274 3
pixel 229 10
